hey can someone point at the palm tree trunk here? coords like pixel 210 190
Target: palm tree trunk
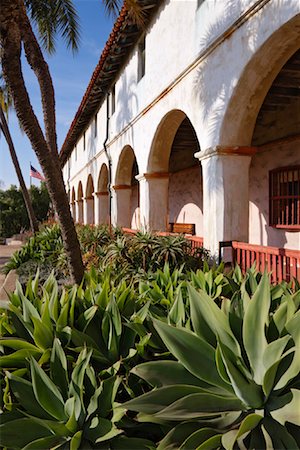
pixel 5 130
pixel 10 38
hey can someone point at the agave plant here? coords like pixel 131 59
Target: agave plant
pixel 234 380
pixel 66 408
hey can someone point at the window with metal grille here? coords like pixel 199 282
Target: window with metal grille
pixel 285 197
pixel 141 58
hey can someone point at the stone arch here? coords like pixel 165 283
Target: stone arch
pixel 255 82
pixel 103 196
pixel 175 175
pixel 79 215
pixel 89 206
pixel 126 190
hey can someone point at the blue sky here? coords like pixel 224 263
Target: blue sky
pixel 70 74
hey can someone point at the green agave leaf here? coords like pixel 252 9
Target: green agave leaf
pixel 202 306
pixel 293 327
pixel 46 392
pixel 199 405
pixel 197 438
pixel 101 430
pixel 177 312
pixel 43 335
pixel 156 400
pixel 279 435
pixel 271 373
pixel 274 350
pixel 76 441
pixel 23 391
pixel 29 311
pixel 20 432
pixel 78 374
pixel 19 344
pixel 165 373
pixel 177 435
pixel 63 319
pixel 289 412
pixel 58 368
pixel 196 355
pixel 255 318
pixel 45 443
pixel 18 358
pixel 248 424
pixel 131 443
pixel 245 389
pixel 212 443
pixel 86 317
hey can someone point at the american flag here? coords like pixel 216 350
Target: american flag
pixel 36 174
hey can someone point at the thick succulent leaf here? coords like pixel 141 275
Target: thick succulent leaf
pixel 101 430
pixel 131 443
pixel 212 443
pixel 274 351
pixel 18 358
pixel 46 442
pixel 202 306
pixel 46 392
pixel 107 396
pixel 156 400
pixel 293 327
pixel 19 344
pixel 29 311
pixel 76 440
pixel 177 435
pixel 86 317
pixel 289 412
pixel 256 317
pixel 43 335
pixel 245 389
pixel 281 438
pixel 58 368
pixel 197 405
pixel 176 315
pixel 197 438
pixel 272 372
pixel 18 433
pixel 249 423
pixel 23 391
pixel 165 373
pixel 196 355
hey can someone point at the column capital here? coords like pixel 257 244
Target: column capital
pixel 79 200
pixel 151 175
pixel 88 197
pixel 119 187
pixel 225 150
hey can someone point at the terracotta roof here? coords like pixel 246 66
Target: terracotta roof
pixel 121 41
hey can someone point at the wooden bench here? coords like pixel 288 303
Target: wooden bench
pixel 182 228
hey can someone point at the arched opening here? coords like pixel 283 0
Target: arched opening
pixel 127 190
pixel 79 215
pixel 274 178
pixel 103 196
pixel 73 204
pixel 89 202
pixel 172 155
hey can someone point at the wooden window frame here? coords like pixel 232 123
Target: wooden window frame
pixel 284 207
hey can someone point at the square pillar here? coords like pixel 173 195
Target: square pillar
pixel 101 208
pixel 154 194
pixel 79 211
pixel 88 211
pixel 225 195
pixel 121 207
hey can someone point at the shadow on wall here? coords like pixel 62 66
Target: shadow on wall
pixel 127 109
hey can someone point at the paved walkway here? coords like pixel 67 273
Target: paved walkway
pixel 7 283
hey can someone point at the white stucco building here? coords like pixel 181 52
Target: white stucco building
pixel 194 120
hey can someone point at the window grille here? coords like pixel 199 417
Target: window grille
pixel 285 197
pixel 113 99
pixel 84 141
pixel 95 125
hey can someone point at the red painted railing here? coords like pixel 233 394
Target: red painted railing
pixel 283 264
pixel 197 241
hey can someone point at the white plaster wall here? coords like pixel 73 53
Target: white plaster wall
pixel 186 198
pixel 260 232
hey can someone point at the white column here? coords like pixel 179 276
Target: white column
pixel 101 208
pixel 121 210
pixel 154 195
pixel 79 211
pixel 225 194
pixel 88 210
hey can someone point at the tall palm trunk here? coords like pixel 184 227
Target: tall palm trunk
pixel 5 130
pixel 15 28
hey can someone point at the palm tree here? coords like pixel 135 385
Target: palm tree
pixel 5 102
pixel 16 34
